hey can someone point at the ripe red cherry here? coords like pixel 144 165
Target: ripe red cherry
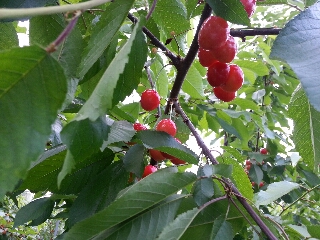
pixel 249 6
pixel 263 151
pixel 248 162
pixel 139 127
pixel 214 33
pixel 217 74
pixel 150 100
pixel 234 80
pixel 148 170
pixel 224 95
pixel 156 155
pixel 226 52
pixel 261 184
pixel 206 58
pixel 168 126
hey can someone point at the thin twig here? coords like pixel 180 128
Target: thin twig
pixel 28 12
pixel 212 201
pixel 65 33
pixel 298 199
pixel 242 213
pixel 151 9
pixel 279 226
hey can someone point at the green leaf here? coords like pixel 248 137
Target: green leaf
pixel 98 193
pixel 8 36
pixel 229 128
pixel 193 84
pixel 203 188
pixel 258 67
pixel 314 231
pixel 149 224
pixel 36 211
pixel 83 138
pixel 272 2
pixel 44 171
pixel 170 15
pixel 240 178
pixel 114 85
pixel 32 90
pixel 221 229
pixel 222 169
pixel 175 229
pixel 133 160
pixel 255 174
pixel 274 191
pixel 230 10
pixel 161 78
pixel 103 33
pixel 302 35
pixel 119 131
pixel 306 131
pixel 135 200
pixel 45 29
pixel 166 143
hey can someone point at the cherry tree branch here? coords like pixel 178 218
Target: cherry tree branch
pixel 27 12
pixel 244 32
pixel 151 9
pixel 156 42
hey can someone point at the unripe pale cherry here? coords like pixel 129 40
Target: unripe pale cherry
pixel 214 33
pixel 150 100
pixel 226 52
pixel 168 126
pixel 217 74
pixel 234 80
pixel 223 95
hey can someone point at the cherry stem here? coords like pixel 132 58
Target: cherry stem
pixel 65 33
pixel 151 9
pixel 244 32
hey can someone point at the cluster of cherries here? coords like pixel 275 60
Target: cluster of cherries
pixel 150 100
pixel 249 163
pixel 217 48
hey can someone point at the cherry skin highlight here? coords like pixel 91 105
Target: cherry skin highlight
pixel 223 95
pixel 150 100
pixel 214 33
pixel 217 74
pixel 168 126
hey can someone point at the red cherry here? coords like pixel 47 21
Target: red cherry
pixel 261 184
pixel 214 33
pixel 139 127
pixel 248 162
pixel 234 80
pixel 263 151
pixel 223 95
pixel 206 58
pixel 217 74
pixel 177 161
pixel 226 52
pixel 148 170
pixel 253 184
pixel 156 155
pixel 150 100
pixel 249 6
pixel 168 126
